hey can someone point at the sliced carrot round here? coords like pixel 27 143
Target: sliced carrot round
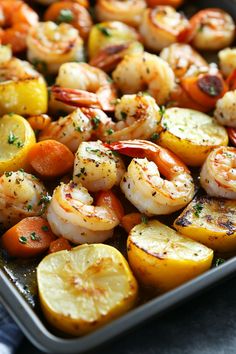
pixel 28 238
pixel 50 159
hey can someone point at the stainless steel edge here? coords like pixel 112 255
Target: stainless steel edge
pixel 38 334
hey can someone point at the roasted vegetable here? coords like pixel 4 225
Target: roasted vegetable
pixel 82 289
pixel 16 139
pixel 190 134
pixel 162 259
pixel 22 89
pixel 211 221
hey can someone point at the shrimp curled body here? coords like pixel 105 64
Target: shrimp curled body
pixel 145 188
pixel 92 87
pixel 218 174
pixel 72 215
pixel 146 72
pixel 20 197
pixel 96 167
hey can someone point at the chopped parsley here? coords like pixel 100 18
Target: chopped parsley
pixel 162 110
pixel 65 15
pixel 45 228
pixel 144 219
pixel 165 126
pixel 29 207
pixel 155 136
pixel 95 122
pixel 14 140
pixel 23 239
pixel 197 209
pixel 34 237
pixel 219 261
pixel 8 174
pixel 105 31
pixel 110 131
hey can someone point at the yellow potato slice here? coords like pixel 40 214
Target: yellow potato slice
pixel 211 221
pixel 22 89
pixel 190 134
pixel 109 33
pixel 162 259
pixel 16 139
pixel 82 289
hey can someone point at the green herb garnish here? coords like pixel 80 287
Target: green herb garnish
pixel 65 15
pixel 22 239
pixel 197 209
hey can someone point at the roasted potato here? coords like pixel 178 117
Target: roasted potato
pixel 82 289
pixel 162 259
pixel 22 89
pixel 16 139
pixel 190 134
pixel 109 33
pixel 211 221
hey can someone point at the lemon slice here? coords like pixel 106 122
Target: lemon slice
pixel 82 289
pixel 16 138
pixel 162 259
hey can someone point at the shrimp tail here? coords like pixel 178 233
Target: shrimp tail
pixel 75 97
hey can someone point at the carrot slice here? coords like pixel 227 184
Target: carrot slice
pixel 50 159
pixel 130 220
pixel 28 238
pixel 59 244
pixel 109 199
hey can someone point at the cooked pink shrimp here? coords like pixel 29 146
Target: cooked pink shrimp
pixel 143 185
pixel 218 174
pixel 137 118
pixel 92 87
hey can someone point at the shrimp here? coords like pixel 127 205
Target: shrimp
pixel 218 174
pixel 211 29
pixel 16 18
pixel 180 57
pixel 96 167
pixel 128 11
pixel 70 130
pixel 72 13
pixel 225 111
pixel 21 195
pixel 162 26
pixel 227 60
pixel 72 215
pixel 53 45
pixel 137 118
pixel 146 72
pixel 142 184
pixel 85 86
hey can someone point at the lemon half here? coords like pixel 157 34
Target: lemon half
pixel 82 289
pixel 16 139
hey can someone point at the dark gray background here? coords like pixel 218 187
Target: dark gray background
pixel 203 325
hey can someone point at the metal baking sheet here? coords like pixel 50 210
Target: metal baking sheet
pixel 39 333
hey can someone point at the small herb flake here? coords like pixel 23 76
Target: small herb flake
pixel 155 136
pixel 8 174
pixel 197 209
pixel 65 15
pixel 29 207
pixel 105 31
pixel 45 228
pixel 110 131
pixel 219 261
pixel 34 237
pixel 23 239
pixel 144 219
pixel 95 122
